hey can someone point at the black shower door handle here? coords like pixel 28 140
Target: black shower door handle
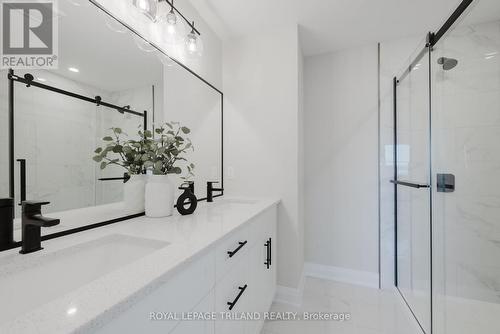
pixel 410 184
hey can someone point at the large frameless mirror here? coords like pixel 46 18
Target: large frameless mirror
pixel 108 78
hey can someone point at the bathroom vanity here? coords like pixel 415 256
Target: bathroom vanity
pixel 146 275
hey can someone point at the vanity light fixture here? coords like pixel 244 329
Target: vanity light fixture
pixel 192 42
pixel 174 33
pixel 171 19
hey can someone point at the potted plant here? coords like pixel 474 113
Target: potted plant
pixel 165 155
pixel 126 153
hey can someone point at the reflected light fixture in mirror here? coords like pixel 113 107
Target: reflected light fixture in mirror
pixel 148 8
pixel 114 25
pixel 165 60
pixel 143 45
pixel 80 3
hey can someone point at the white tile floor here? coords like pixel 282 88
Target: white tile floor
pixel 372 311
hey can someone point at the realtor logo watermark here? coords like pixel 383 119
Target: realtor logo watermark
pixel 29 34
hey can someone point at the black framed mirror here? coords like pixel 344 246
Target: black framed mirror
pixel 109 76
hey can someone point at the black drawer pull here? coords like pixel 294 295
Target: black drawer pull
pixel 242 289
pixel 232 253
pixel 268 246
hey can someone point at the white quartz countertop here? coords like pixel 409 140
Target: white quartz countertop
pixel 177 241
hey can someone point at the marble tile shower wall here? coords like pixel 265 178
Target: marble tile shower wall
pixel 57 135
pixel 52 134
pixel 466 127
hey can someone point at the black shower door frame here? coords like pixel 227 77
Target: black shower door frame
pixel 432 39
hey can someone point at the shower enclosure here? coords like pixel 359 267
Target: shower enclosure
pixel 447 175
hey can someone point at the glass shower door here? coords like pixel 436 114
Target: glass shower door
pixel 466 166
pixel 413 225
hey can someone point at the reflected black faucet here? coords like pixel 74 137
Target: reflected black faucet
pixel 211 189
pixel 6 223
pixel 32 222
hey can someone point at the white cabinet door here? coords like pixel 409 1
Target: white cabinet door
pixel 263 268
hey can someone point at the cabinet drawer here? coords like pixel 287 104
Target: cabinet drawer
pixel 227 290
pixel 238 243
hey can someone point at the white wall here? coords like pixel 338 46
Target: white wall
pixel 261 85
pixel 341 182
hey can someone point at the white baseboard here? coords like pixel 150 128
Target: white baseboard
pixel 290 296
pixel 344 275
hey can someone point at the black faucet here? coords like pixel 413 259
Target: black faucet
pixel 6 223
pixel 211 189
pixel 32 221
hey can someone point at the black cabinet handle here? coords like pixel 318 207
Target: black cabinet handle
pixel 268 246
pixel 270 251
pixel 232 253
pixel 233 303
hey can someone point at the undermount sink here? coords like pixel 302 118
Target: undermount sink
pixel 29 282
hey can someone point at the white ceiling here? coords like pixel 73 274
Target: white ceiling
pixel 328 25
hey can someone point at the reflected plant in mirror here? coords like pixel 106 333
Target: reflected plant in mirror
pixel 131 155
pixel 129 152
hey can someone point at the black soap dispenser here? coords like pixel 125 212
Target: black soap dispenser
pixel 6 223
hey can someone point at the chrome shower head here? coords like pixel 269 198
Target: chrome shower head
pixel 448 63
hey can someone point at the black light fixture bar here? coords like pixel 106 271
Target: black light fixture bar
pixel 191 24
pixel 95 100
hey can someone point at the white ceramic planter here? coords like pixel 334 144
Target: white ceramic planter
pixel 160 195
pixel 133 194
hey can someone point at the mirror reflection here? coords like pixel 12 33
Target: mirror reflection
pixel 59 138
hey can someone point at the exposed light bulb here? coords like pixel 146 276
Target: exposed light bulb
pixel 171 18
pixel 191 42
